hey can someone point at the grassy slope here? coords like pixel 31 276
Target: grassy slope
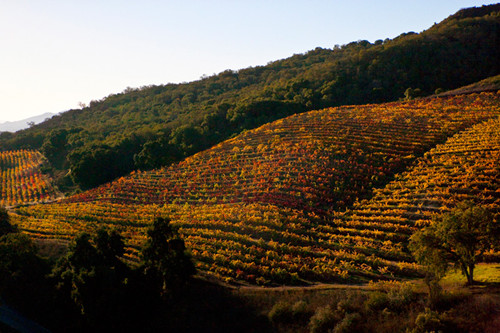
pixel 228 203
pixel 383 307
pixel 486 273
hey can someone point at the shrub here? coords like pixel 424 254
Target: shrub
pixel 281 312
pixel 323 320
pixel 351 302
pixel 377 301
pixel 300 311
pixel 397 297
pixel 348 324
pixel 5 226
pixel 401 296
pixel 428 321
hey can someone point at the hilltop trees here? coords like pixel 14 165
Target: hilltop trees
pixel 459 237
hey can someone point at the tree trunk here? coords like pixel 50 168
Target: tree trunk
pixel 465 271
pixel 470 275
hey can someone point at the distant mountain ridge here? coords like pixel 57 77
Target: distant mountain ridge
pixel 14 126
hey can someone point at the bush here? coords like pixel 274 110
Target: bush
pixel 300 311
pixel 5 226
pixel 428 321
pixel 323 320
pixel 351 302
pixel 348 324
pixel 401 296
pixel 377 301
pixel 396 298
pixel 281 312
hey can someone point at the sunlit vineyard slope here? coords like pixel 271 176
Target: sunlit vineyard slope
pixel 317 161
pixel 267 205
pixel 21 180
pixel 466 167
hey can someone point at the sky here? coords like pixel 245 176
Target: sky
pixel 56 54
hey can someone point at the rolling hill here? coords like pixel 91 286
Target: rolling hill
pixel 269 206
pixel 21 179
pixel 149 127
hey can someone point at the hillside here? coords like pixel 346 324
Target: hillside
pixel 488 84
pixel 465 167
pixel 154 126
pixel 21 179
pixel 268 205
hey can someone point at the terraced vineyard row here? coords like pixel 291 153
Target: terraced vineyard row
pixel 237 235
pixel 467 167
pixel 21 180
pixel 317 161
pixel 252 242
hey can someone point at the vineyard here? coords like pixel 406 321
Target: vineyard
pixel 269 206
pixel 22 181
pixel 317 161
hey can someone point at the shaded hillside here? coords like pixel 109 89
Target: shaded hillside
pixel 265 207
pixel 489 84
pixel 154 126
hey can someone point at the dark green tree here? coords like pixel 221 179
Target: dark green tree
pixel 93 279
pixel 22 271
pixel 156 154
pixel 5 226
pixel 188 139
pixel 427 250
pixel 166 261
pixel 459 237
pixel 54 147
pixel 110 247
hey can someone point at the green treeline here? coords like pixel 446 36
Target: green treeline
pixel 154 126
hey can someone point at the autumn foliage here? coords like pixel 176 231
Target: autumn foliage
pixel 21 180
pixel 325 196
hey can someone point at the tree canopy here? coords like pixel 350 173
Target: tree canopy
pixel 5 226
pixel 165 258
pixel 459 237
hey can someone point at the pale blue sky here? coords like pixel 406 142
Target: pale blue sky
pixel 56 53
